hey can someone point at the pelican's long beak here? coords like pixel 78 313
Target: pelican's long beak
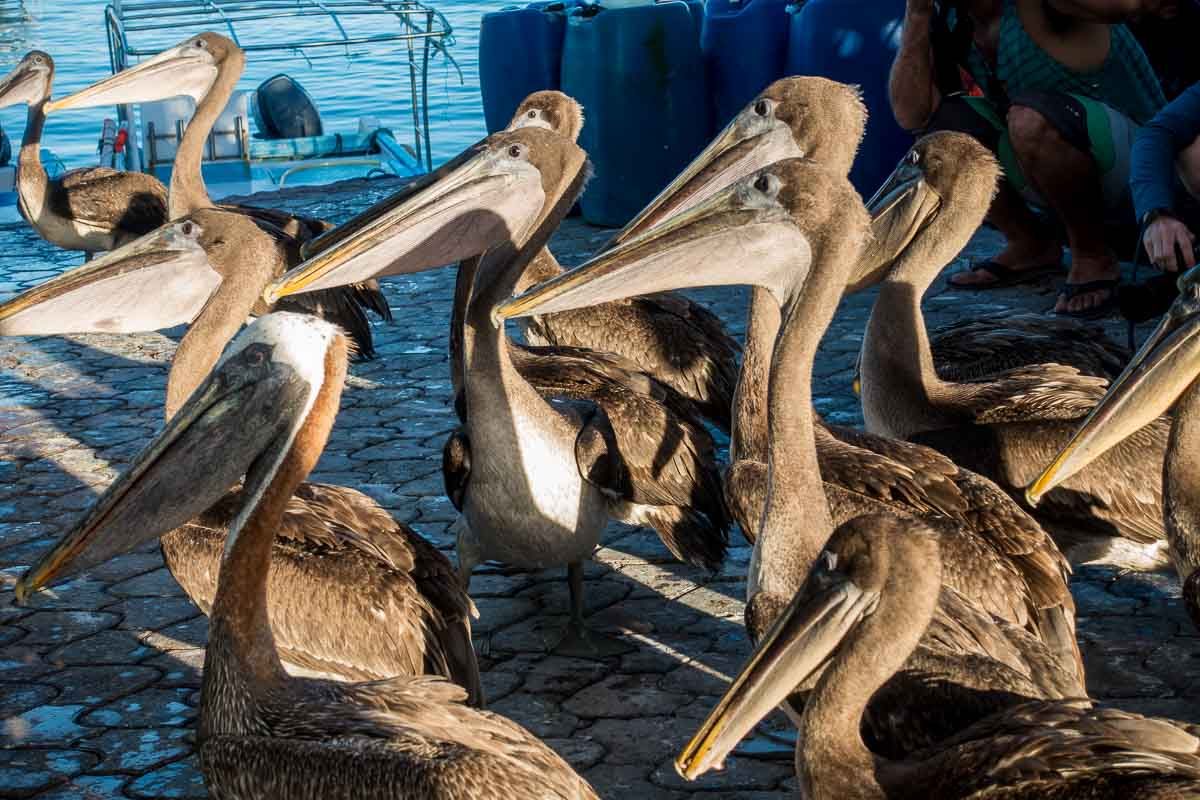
pixel 1166 364
pixel 486 200
pixel 22 85
pixel 797 645
pixel 729 239
pixel 185 69
pixel 242 411
pixel 747 144
pixel 900 210
pixel 157 281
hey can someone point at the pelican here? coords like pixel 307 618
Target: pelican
pixel 336 550
pixel 1161 377
pixel 798 231
pixel 863 612
pixel 543 475
pixel 1007 425
pixel 206 67
pixel 263 733
pixel 678 341
pixel 89 209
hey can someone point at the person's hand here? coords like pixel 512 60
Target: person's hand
pixel 1161 239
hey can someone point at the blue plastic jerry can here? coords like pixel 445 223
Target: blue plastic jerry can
pixel 520 52
pixel 744 43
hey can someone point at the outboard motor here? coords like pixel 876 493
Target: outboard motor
pixel 284 110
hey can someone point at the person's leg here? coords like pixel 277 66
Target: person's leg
pixel 1058 164
pixel 1029 244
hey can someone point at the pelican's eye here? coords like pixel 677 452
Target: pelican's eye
pixel 763 107
pixel 767 184
pixel 914 157
pixel 190 229
pixel 201 43
pixel 532 113
pixel 38 60
pixel 516 151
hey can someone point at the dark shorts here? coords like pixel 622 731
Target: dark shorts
pixel 1088 125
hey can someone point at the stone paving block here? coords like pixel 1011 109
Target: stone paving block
pixel 625 697
pixel 137 750
pixel 106 647
pixel 26 771
pixel 142 613
pixel 81 593
pixel 739 774
pixel 158 583
pixel 579 751
pixel 628 781
pixel 43 725
pixel 145 709
pixel 17 698
pixel 179 667
pixel 540 715
pixel 87 787
pixel 59 627
pixel 646 740
pixel 93 685
pixel 180 780
pixel 126 566
pixel 180 636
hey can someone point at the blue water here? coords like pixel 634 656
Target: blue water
pixel 72 31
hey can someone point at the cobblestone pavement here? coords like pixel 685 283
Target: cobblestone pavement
pixel 99 678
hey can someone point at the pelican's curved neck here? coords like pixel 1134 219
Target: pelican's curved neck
pixel 32 180
pixel 796 518
pixel 1181 478
pixel 458 322
pixel 748 436
pixel 832 761
pixel 187 191
pixel 241 649
pixel 219 321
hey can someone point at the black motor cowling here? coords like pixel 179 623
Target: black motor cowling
pixel 284 110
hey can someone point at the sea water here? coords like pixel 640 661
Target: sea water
pixel 73 33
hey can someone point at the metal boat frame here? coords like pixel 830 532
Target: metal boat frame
pixel 411 29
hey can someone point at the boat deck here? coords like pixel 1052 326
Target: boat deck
pixel 99 679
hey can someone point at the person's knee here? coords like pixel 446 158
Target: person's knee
pixel 1189 167
pixel 1032 135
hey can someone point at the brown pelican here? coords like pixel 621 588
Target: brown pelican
pixel 89 209
pixel 270 403
pixel 798 231
pixel 1007 425
pixel 678 341
pixel 542 477
pixel 1161 377
pixel 336 549
pixel 863 611
pixel 206 67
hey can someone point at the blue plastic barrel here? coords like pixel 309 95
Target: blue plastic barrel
pixel 520 52
pixel 636 68
pixel 855 41
pixel 745 44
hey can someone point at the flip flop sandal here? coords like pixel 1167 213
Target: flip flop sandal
pixel 1107 307
pixel 1006 276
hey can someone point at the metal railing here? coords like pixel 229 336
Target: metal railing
pixel 327 29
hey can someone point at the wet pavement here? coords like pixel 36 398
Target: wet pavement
pixel 99 677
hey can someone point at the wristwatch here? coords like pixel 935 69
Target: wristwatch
pixel 1154 214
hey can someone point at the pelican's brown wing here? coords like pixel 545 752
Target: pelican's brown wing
pixel 983 346
pixel 302 228
pixel 1039 392
pixel 396 738
pixel 107 199
pixel 338 556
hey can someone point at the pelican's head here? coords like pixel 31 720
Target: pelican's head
pixel 494 194
pixel 187 69
pixel 1164 367
pixel 157 281
pixel 29 81
pixel 807 117
pixel 241 422
pixel 946 179
pixel 864 560
pixel 766 229
pixel 552 110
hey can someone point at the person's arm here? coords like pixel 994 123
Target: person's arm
pixel 911 86
pixel 1110 11
pixel 1152 178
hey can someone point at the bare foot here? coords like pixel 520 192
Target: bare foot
pixel 1085 269
pixel 1016 258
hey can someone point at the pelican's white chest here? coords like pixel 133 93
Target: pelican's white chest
pixel 526 503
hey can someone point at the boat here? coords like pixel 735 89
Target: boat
pixel 272 137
